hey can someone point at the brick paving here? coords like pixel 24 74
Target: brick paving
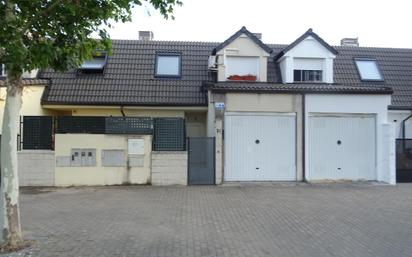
pixel 234 220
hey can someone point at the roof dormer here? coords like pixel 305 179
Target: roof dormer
pixel 243 56
pixel 308 59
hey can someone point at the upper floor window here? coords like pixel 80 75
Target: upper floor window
pixel 307 75
pixel 96 64
pixel 168 65
pixel 368 69
pixel 242 68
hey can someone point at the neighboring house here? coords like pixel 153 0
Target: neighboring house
pixel 251 112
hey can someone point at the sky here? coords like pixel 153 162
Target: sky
pixel 379 23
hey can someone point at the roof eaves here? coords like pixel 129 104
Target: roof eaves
pixel 304 91
pixel 80 103
pixel 243 30
pixel 401 108
pixel 295 88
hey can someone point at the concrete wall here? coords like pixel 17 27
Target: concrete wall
pixel 250 102
pixel 169 168
pixel 243 102
pixel 242 46
pixel 311 49
pixel 354 104
pixel 99 175
pixel 195 124
pixel 36 168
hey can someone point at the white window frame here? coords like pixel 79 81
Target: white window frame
pixel 378 70
pixel 230 58
pixel 168 54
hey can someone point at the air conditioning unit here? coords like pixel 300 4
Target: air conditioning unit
pixel 212 62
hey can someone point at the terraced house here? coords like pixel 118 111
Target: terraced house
pixel 163 112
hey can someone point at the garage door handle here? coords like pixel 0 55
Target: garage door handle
pixel 339 142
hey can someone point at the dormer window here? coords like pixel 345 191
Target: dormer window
pixel 96 64
pixel 368 69
pixel 307 75
pixel 168 65
pixel 242 68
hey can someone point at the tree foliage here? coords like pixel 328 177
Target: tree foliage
pixel 57 33
pixel 38 34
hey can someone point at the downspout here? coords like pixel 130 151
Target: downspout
pixel 303 137
pixel 122 111
pixel 403 131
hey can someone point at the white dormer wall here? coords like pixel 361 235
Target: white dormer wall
pixel 26 74
pixel 309 54
pixel 244 48
pixel 30 74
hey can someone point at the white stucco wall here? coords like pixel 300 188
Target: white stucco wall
pixel 258 103
pixel 354 104
pixel 309 49
pixel 99 175
pixel 242 46
pixel 396 117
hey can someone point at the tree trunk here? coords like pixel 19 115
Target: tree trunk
pixel 9 205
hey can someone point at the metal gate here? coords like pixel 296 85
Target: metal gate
pixel 201 160
pixel 403 160
pixel 37 132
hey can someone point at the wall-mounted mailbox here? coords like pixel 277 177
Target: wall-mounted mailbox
pixel 83 157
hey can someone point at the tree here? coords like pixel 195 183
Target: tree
pixel 38 34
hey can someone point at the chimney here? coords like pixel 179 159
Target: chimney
pixel 145 35
pixel 258 35
pixel 349 42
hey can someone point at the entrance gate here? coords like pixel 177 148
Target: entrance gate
pixel 201 160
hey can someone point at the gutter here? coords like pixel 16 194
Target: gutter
pixel 122 111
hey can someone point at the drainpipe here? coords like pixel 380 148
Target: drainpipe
pixel 403 131
pixel 122 111
pixel 303 137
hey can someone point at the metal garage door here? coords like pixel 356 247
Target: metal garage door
pixel 341 147
pixel 260 147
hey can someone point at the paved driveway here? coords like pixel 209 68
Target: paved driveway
pixel 265 220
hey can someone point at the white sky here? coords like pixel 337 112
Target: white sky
pixel 376 22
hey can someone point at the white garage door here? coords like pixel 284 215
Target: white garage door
pixel 341 148
pixel 260 147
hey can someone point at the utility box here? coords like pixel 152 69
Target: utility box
pixel 113 158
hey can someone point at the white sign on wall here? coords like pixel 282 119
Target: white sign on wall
pixel 136 146
pixel 219 105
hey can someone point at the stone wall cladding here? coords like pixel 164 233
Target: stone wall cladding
pixel 169 168
pixel 36 167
